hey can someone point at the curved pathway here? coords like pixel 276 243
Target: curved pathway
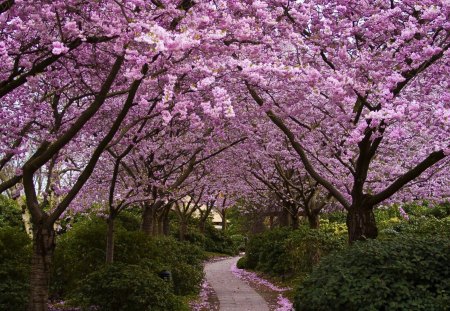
pixel 233 293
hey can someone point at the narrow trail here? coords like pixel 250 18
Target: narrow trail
pixel 233 293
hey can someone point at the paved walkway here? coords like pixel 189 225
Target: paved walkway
pixel 233 293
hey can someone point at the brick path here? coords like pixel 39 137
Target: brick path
pixel 233 293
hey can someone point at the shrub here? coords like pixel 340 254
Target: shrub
pixel 292 252
pixel 305 247
pixel 405 273
pixel 81 251
pixel 78 253
pixel 242 263
pixel 10 213
pixel 15 256
pixel 122 287
pixel 212 240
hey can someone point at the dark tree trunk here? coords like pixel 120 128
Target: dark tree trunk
pixel 148 219
pixel 283 218
pixel 183 229
pixel 160 222
pixel 294 220
pixel 110 240
pixel 361 223
pixel 271 222
pixel 166 223
pixel 224 221
pixel 43 247
pixel 313 220
pixel 154 228
pixel 202 224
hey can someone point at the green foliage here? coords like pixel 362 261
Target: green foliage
pixel 212 240
pixel 305 247
pixel 242 263
pixel 439 211
pixel 81 252
pixel 405 273
pixel 122 287
pixel 10 213
pixel 78 252
pixel 289 252
pixel 15 257
pixel 272 255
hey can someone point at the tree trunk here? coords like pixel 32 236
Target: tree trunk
pixel 224 221
pixel 313 220
pixel 160 221
pixel 271 222
pixel 202 225
pixel 166 223
pixel 148 219
pixel 43 247
pixel 361 223
pixel 110 240
pixel 183 229
pixel 294 220
pixel 283 219
pixel 155 229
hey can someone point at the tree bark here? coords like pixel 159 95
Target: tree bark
pixel 294 220
pixel 183 229
pixel 43 248
pixel 313 220
pixel 166 223
pixel 224 221
pixel 110 240
pixel 361 223
pixel 202 225
pixel 147 219
pixel 283 218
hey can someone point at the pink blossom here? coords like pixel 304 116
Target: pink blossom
pixel 59 48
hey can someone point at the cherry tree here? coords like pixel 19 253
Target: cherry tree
pixel 359 89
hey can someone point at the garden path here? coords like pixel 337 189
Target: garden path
pixel 233 293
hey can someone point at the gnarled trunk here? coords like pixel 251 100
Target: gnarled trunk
pixel 361 223
pixel 43 248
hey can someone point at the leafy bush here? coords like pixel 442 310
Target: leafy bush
pixel 212 240
pixel 81 251
pixel 10 213
pixel 78 253
pixel 405 273
pixel 292 252
pixel 127 287
pixel 305 247
pixel 15 257
pixel 242 263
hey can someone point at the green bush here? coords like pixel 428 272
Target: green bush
pixel 242 263
pixel 78 252
pixel 122 287
pixel 81 251
pixel 404 273
pixel 10 213
pixel 15 257
pixel 273 257
pixel 305 247
pixel 212 240
pixel 289 252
